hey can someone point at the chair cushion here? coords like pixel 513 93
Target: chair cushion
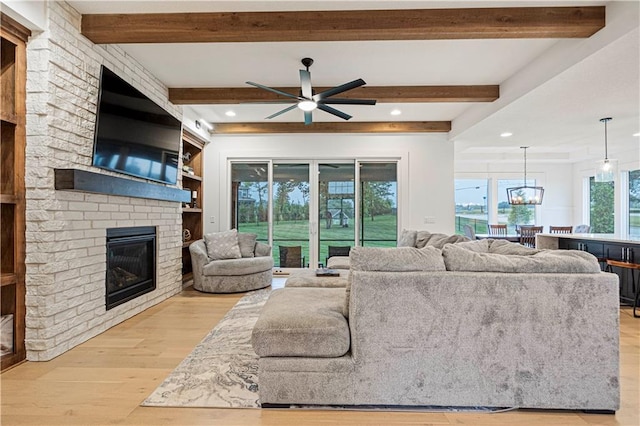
pixel 247 243
pixel 304 322
pixel 241 266
pixel 223 245
pixel 546 261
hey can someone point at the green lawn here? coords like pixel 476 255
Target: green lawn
pixel 296 233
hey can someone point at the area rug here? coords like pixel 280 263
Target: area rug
pixel 222 371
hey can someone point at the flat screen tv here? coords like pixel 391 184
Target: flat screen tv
pixel 133 134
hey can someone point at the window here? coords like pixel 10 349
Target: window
pixel 634 203
pixel 601 206
pixel 471 205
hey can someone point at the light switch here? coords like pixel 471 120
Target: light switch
pixel 212 219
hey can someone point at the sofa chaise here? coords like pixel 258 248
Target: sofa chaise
pixel 484 323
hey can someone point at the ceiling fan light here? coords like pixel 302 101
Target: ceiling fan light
pixel 307 105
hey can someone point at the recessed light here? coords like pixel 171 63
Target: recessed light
pixel 230 113
pixel 506 134
pixel 396 112
pixel 636 134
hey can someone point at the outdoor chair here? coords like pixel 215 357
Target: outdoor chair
pixel 291 257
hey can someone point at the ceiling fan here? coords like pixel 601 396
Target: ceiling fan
pixel 308 101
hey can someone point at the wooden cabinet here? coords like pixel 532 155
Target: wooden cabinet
pixel 192 172
pixel 12 189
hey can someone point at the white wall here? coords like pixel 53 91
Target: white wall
pixel 558 205
pixel 425 182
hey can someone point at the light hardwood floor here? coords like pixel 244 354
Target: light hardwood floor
pixel 104 380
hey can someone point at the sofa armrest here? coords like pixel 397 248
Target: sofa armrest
pixel 199 259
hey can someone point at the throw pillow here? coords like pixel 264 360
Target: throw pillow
pixel 407 238
pixel 507 247
pixel 426 238
pixel 223 245
pixel 479 246
pixel 247 243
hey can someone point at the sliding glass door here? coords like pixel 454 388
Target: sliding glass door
pixel 378 204
pixel 290 189
pixel 307 208
pixel 336 209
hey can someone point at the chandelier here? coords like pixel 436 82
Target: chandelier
pixel 525 195
pixel 606 169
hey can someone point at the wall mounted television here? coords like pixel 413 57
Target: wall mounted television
pixel 133 134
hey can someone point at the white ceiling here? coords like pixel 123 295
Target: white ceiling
pixel 553 92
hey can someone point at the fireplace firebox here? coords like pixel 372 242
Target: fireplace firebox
pixel 131 263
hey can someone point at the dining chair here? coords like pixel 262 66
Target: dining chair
pixel 291 257
pixel 469 232
pixel 560 229
pixel 498 229
pixel 582 229
pixel 528 235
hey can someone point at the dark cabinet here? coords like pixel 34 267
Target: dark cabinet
pixel 614 251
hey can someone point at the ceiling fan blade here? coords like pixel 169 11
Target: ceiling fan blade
pixel 334 111
pixel 287 109
pixel 305 84
pixel 307 118
pixel 346 101
pixel 270 89
pixel 339 89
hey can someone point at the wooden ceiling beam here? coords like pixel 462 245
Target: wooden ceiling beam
pixel 383 94
pixel 334 127
pixel 350 25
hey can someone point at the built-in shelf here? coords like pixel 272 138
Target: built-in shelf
pixel 192 157
pixel 8 279
pixel 8 199
pixel 8 117
pixel 84 181
pixel 190 176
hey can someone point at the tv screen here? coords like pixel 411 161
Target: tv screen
pixel 133 134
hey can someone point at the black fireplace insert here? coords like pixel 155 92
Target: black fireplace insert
pixel 131 263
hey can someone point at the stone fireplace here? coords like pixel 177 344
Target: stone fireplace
pixel 131 264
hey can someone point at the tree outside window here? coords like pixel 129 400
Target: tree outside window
pixel 634 203
pixel 601 206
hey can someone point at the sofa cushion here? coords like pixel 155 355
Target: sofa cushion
pixel 305 322
pixel 247 243
pixel 240 266
pixel 223 245
pixel 458 258
pixel 263 249
pixel 338 262
pixel 489 245
pixel 407 238
pixel 400 259
pixel 426 238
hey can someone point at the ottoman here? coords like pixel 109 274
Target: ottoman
pixel 308 278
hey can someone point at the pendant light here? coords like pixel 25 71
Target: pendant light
pixel 606 169
pixel 525 195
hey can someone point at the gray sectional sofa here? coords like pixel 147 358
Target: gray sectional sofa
pixel 485 323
